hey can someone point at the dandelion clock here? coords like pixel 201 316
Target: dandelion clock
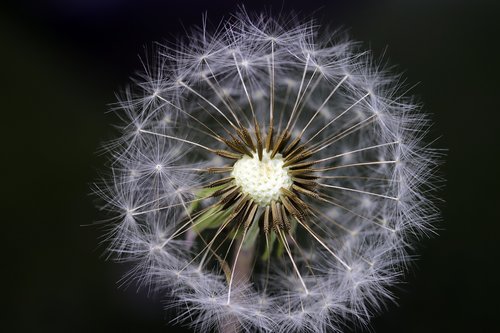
pixel 268 178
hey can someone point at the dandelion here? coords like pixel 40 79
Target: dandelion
pixel 268 179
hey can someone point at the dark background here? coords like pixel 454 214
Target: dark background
pixel 62 61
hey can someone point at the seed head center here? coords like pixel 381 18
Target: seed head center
pixel 262 180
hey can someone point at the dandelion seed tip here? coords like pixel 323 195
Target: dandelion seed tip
pixel 155 248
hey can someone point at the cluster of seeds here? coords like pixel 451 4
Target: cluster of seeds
pixel 268 179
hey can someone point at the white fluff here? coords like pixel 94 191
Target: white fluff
pixel 377 176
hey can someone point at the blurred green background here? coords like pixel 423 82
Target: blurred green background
pixel 62 61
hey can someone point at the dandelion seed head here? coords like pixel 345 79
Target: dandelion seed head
pixel 267 178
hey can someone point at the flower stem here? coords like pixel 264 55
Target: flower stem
pixel 242 269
